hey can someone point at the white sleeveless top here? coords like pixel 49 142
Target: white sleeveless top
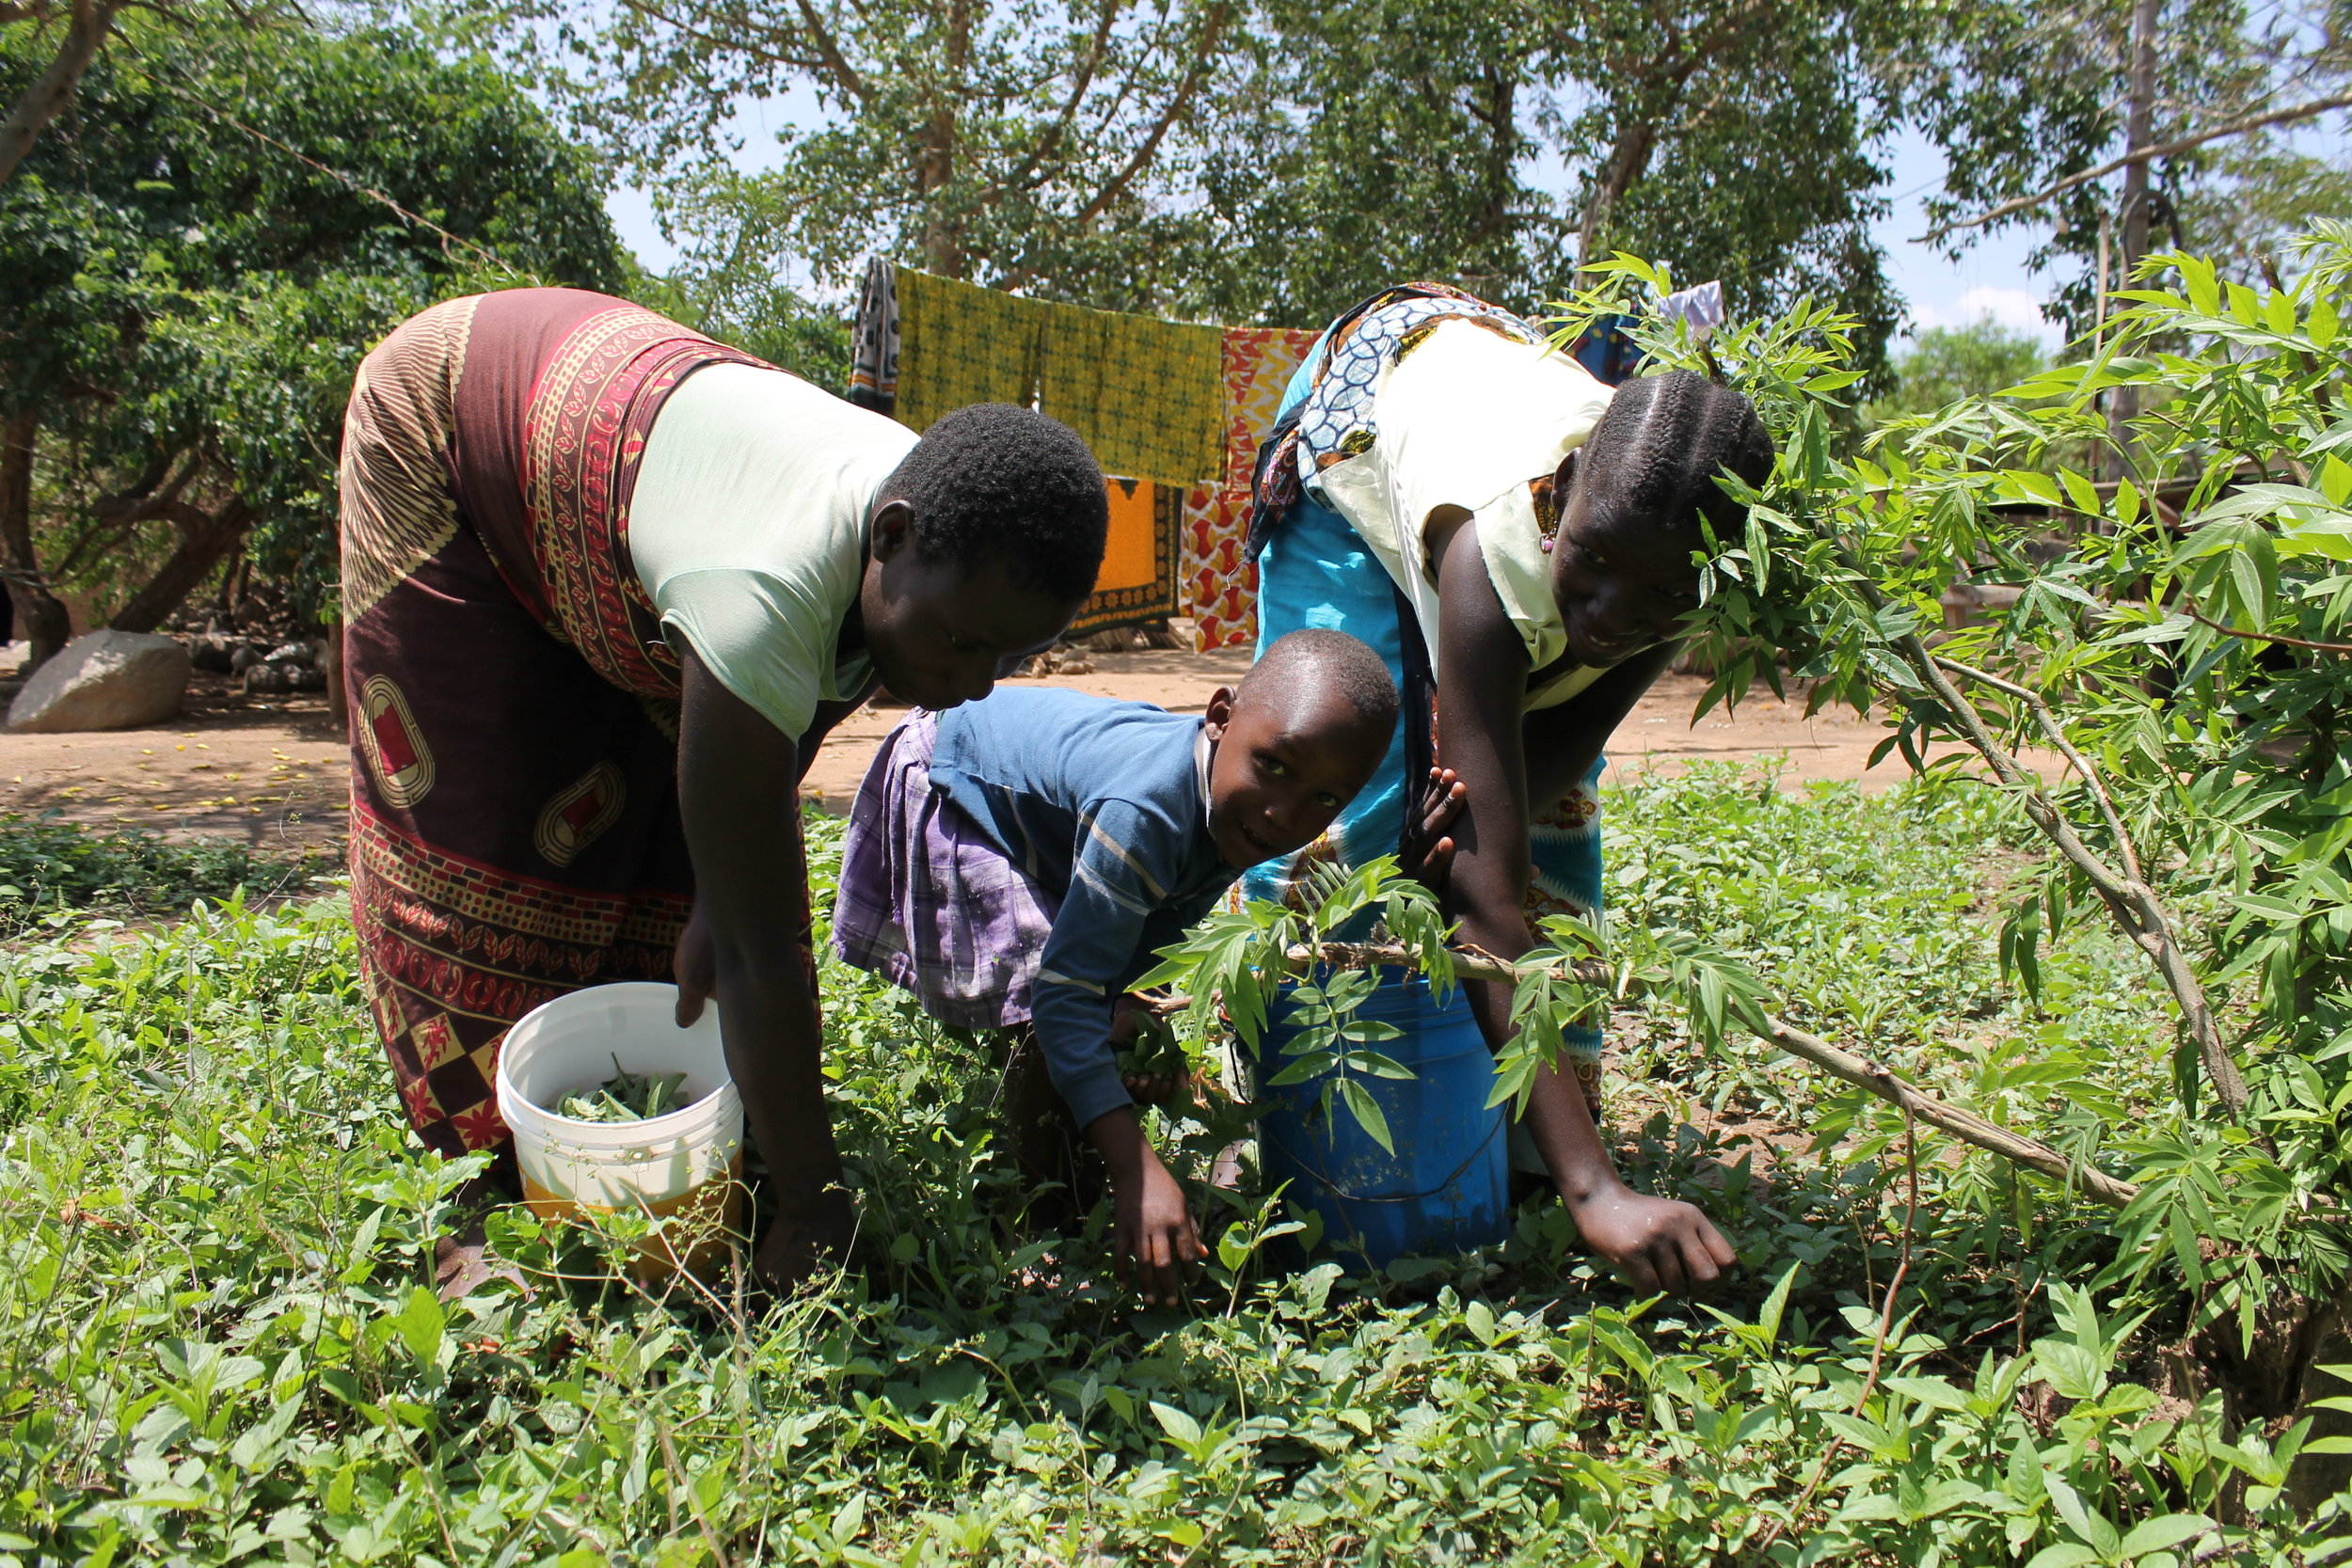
pixel 1469 417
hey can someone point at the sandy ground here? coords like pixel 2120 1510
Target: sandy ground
pixel 274 770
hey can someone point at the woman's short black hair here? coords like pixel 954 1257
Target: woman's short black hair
pixel 1654 457
pixel 996 482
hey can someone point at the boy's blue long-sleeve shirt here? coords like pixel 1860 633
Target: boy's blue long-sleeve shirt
pixel 1105 804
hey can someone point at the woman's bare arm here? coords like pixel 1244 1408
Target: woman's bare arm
pixel 1483 671
pixel 736 790
pixel 1562 743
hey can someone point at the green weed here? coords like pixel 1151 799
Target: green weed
pixel 219 1343
pixel 46 863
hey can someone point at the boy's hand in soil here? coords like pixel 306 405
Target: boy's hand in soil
pixel 1153 1240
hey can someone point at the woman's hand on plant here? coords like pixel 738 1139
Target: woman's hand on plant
pixel 1153 1240
pixel 1659 1245
pixel 695 965
pixel 1428 851
pixel 804 1238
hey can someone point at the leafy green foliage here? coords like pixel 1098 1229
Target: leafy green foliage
pixel 47 864
pixel 625 1097
pixel 203 247
pixel 2180 637
pixel 1237 962
pixel 1946 364
pixel 2039 89
pixel 220 1337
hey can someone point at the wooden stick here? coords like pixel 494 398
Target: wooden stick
pixel 2140 155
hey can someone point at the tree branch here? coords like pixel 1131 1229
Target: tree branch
pixel 764 54
pixel 1472 963
pixel 2131 901
pixel 47 97
pixel 204 538
pixel 1151 145
pixel 2056 734
pixel 1048 143
pixel 2265 636
pixel 2140 155
pixel 829 50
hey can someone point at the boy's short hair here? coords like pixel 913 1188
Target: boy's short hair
pixel 1656 452
pixel 1343 663
pixel 996 482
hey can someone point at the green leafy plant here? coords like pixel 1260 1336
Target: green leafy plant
pixel 1237 962
pixel 625 1097
pixel 2163 702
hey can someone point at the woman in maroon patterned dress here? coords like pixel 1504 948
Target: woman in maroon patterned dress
pixel 564 746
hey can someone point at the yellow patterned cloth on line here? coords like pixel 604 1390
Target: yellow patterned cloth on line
pixel 1146 395
pixel 961 344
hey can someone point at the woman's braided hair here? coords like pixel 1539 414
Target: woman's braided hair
pixel 1652 461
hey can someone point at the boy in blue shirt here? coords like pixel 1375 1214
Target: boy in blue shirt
pixel 1018 861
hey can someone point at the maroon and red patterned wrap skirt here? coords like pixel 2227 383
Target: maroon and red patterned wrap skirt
pixel 515 830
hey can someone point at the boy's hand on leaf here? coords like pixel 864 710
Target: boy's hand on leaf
pixel 1659 1243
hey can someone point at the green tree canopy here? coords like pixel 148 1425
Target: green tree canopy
pixel 1946 364
pixel 1260 166
pixel 201 248
pixel 2023 94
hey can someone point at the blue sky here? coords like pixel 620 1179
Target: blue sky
pixel 1991 280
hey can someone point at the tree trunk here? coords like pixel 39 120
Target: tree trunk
pixel 935 158
pixel 1628 159
pixel 2139 132
pixel 47 97
pixel 205 538
pixel 41 616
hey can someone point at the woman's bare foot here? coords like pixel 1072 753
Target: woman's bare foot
pixel 463 1263
pixel 804 1239
pixel 462 1259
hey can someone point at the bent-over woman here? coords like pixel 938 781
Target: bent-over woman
pixel 1516 540
pixel 607 584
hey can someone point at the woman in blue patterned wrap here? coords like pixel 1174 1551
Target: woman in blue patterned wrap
pixel 1516 540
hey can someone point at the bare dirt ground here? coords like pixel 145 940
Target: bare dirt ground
pixel 274 770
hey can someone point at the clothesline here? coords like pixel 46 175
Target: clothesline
pixel 1175 412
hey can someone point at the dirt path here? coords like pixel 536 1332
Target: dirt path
pixel 274 770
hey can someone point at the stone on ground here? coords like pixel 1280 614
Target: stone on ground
pixel 106 680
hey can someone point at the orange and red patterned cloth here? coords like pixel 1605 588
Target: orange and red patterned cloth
pixel 1220 581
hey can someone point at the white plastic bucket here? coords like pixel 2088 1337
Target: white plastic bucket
pixel 684 1164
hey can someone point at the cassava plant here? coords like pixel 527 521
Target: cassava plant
pixel 2166 701
pixel 1237 960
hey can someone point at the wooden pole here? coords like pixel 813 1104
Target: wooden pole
pixel 2139 132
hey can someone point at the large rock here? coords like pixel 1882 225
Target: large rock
pixel 107 680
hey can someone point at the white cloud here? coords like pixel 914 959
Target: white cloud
pixel 2014 309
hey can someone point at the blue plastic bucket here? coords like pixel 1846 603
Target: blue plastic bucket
pixel 1447 1187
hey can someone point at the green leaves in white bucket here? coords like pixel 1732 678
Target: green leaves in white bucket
pixel 625 1097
